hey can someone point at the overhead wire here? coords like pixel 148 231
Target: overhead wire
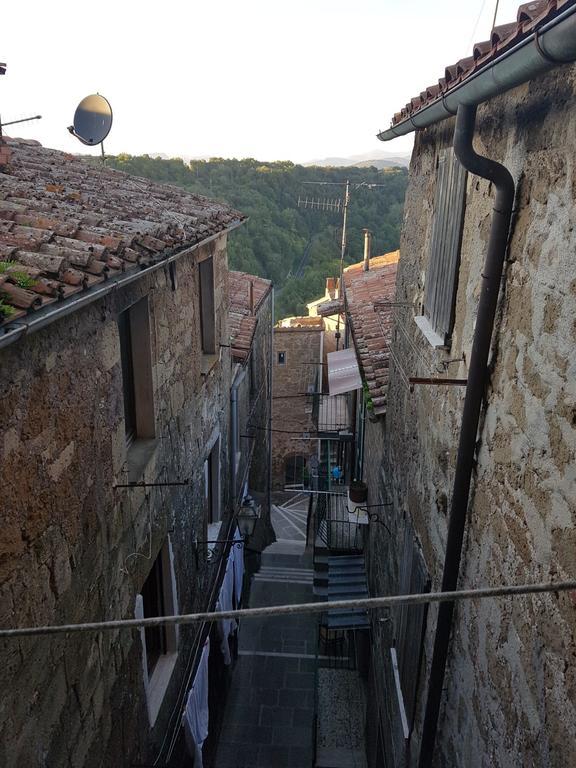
pixel 368 603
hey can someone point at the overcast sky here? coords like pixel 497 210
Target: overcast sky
pixel 258 78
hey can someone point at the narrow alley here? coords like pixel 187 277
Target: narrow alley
pixel 269 718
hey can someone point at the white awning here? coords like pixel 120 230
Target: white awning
pixel 343 372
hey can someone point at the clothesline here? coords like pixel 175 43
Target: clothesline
pixel 370 603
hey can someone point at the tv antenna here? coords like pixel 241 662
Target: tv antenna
pixel 14 122
pixel 92 121
pixel 337 205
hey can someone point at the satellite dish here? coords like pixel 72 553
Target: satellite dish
pixel 92 120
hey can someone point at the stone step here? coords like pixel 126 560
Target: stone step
pixel 344 591
pixel 346 559
pixel 332 757
pixel 347 578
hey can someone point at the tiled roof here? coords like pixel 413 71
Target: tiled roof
pixel 242 316
pixel 370 317
pixel 329 308
pixel 529 17
pixel 375 262
pixel 68 223
pixel 306 323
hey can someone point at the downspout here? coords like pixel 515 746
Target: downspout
pixel 270 401
pixel 233 437
pixel 477 380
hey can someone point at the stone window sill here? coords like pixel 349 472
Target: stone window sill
pixel 433 338
pixel 208 363
pixel 158 683
pixel 139 456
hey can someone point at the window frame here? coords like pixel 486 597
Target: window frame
pixel 212 503
pixel 207 305
pixel 278 361
pixel 443 267
pixel 157 676
pixel 136 366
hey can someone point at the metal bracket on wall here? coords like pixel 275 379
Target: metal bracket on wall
pixel 151 485
pixel 435 382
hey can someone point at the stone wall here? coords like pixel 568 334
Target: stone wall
pixel 291 413
pixel 510 697
pixel 261 398
pixel 253 386
pixel 75 548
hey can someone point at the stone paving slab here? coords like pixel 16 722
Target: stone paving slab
pixel 268 722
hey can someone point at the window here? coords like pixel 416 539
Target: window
pixel 444 256
pixel 212 484
pixel 153 601
pixel 410 625
pixel 281 358
pixel 135 353
pixel 159 644
pixel 207 317
pixel 127 376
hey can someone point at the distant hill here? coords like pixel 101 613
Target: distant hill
pixel 296 247
pixel 375 158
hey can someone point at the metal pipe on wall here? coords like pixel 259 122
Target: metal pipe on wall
pixel 233 437
pixel 477 380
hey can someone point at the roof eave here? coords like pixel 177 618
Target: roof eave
pixel 11 332
pixel 552 45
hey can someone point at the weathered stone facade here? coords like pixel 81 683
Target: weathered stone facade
pixel 252 381
pixel 77 548
pixel 510 695
pixel 292 413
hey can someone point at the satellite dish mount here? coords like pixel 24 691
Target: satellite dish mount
pixel 92 121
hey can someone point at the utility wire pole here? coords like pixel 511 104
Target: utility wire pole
pixel 337 205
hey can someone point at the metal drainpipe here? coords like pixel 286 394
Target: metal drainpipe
pixel 270 401
pixel 477 380
pixel 233 438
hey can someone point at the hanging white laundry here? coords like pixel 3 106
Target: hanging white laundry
pixel 195 717
pixel 226 626
pixel 238 568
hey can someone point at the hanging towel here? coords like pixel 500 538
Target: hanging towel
pixel 226 626
pixel 238 568
pixel 195 717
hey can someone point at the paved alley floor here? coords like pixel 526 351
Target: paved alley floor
pixel 268 722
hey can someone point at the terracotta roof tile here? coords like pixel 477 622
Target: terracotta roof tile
pixel 244 289
pixel 67 223
pixel 528 17
pixel 370 315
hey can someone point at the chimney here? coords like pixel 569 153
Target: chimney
pixel 251 297
pixel 4 154
pixel 367 247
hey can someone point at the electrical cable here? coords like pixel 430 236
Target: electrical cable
pixel 368 603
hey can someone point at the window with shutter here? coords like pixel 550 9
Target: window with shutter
pixel 444 255
pixel 207 307
pixel 411 623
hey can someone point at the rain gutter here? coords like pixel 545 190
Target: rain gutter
pixel 552 44
pixel 42 318
pixel 477 380
pixel 234 427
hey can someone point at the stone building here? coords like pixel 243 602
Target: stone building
pixel 481 396
pixel 250 316
pixel 297 375
pixel 116 371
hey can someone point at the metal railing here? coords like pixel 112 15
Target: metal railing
pixel 333 527
pixel 332 413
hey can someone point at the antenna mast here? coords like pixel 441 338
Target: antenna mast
pixel 337 205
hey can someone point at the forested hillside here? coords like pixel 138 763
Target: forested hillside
pixel 294 247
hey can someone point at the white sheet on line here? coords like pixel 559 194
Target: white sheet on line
pixel 238 568
pixel 195 717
